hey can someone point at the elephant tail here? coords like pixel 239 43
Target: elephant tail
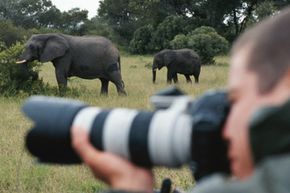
pixel 119 61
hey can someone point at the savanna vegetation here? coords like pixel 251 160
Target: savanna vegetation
pixel 136 27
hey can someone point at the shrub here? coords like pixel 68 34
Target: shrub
pixel 10 34
pixel 167 30
pixel 2 46
pixel 207 43
pixel 12 81
pixel 141 42
pixel 179 41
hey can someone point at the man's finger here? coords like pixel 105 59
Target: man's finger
pixel 99 162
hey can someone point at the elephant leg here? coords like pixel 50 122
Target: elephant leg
pixel 116 78
pixel 61 66
pixel 170 76
pixel 104 87
pixel 175 78
pixel 61 81
pixel 188 79
pixel 196 79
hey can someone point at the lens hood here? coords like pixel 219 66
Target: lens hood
pixel 50 138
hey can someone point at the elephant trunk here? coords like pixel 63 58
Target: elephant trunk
pixel 154 74
pixel 24 73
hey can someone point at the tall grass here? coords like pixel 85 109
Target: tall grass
pixel 20 173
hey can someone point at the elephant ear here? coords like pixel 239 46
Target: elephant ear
pixel 55 47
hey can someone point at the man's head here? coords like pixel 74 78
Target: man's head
pixel 259 76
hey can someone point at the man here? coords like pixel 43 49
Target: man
pixel 259 76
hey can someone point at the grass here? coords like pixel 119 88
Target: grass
pixel 20 173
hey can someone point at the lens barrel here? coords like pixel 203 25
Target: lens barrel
pixel 145 138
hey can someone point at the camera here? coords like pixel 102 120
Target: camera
pixel 180 130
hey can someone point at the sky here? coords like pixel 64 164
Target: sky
pixel 90 5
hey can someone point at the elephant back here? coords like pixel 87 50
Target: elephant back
pixel 187 61
pixel 99 47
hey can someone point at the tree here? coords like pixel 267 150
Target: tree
pixel 168 29
pixel 179 41
pixel 29 13
pixel 120 17
pixel 141 42
pixel 207 43
pixel 126 16
pixel 9 34
pixel 97 26
pixel 265 9
pixel 43 14
pixel 73 21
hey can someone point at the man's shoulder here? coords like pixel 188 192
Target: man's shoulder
pixel 272 175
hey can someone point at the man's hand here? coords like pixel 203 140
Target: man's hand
pixel 112 169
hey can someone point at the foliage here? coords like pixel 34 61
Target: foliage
pixel 97 26
pixel 126 16
pixel 207 43
pixel 147 39
pixel 27 13
pixel 10 34
pixel 12 81
pixel 73 21
pixel 43 14
pixel 179 41
pixel 141 42
pixel 2 46
pixel 121 17
pixel 167 30
pixel 265 9
pixel 228 17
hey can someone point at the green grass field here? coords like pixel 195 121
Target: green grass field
pixel 20 173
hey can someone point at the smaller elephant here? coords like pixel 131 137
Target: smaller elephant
pixel 84 57
pixel 182 61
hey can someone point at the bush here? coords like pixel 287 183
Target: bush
pixel 141 42
pixel 168 29
pixel 179 41
pixel 12 81
pixel 2 46
pixel 207 43
pixel 10 34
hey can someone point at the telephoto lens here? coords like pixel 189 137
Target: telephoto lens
pixel 178 131
pixel 161 137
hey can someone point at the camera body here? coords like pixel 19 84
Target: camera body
pixel 180 130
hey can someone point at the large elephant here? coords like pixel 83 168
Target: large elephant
pixel 84 57
pixel 182 61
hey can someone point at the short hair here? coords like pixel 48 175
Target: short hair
pixel 269 56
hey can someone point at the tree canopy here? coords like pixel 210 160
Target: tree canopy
pixel 139 26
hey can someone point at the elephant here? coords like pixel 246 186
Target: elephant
pixel 183 61
pixel 87 57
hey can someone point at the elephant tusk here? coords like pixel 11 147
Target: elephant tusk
pixel 21 61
